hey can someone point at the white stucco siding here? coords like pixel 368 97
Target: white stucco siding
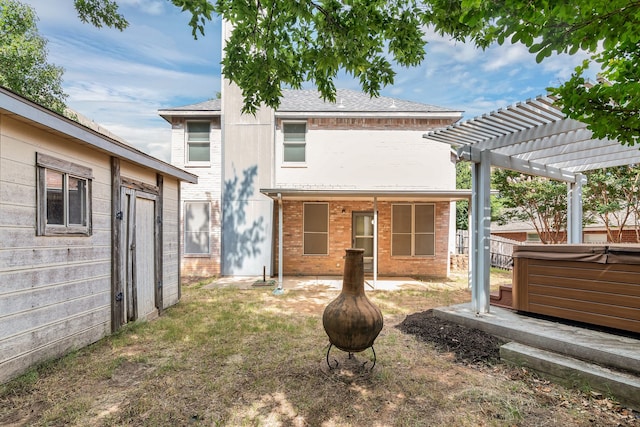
pixel 247 167
pixel 367 159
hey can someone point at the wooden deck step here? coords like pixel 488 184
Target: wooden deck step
pixel 503 297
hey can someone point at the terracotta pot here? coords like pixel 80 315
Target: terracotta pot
pixel 351 321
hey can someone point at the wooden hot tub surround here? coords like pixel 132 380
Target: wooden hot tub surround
pixel 594 284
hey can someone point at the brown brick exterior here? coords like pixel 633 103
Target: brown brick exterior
pixel 382 123
pixel 197 266
pixel 340 223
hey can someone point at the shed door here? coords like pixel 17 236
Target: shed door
pixel 144 256
pixel 139 236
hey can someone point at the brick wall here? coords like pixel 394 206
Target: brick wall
pixel 354 123
pixel 340 223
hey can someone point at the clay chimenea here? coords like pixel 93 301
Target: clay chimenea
pixel 352 321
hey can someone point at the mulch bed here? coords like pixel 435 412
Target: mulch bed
pixel 469 345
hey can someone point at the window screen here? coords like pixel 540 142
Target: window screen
pixel 196 227
pixel 316 228
pixel 413 230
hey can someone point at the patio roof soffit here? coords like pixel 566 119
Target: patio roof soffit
pixel 353 194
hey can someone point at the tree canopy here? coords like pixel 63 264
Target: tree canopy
pixel 280 43
pixel 533 199
pixel 23 58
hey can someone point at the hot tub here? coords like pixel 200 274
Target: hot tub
pixel 585 283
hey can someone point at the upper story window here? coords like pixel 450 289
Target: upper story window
pixel 198 142
pixel 63 197
pixel 294 150
pixel 413 230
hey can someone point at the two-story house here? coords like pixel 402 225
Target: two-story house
pixel 286 191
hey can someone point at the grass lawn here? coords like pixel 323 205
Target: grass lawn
pixel 233 357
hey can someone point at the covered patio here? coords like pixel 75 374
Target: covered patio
pixel 532 137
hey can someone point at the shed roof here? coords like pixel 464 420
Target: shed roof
pixel 536 138
pixel 27 111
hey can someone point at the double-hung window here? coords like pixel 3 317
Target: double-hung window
pixel 197 219
pixel 316 228
pixel 295 147
pixel 198 142
pixel 63 197
pixel 413 230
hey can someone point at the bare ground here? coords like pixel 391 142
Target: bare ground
pixel 246 357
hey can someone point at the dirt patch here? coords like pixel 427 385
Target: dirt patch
pixel 469 345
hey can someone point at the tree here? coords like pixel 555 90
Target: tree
pixel 278 43
pixel 613 196
pixel 23 58
pixel 537 200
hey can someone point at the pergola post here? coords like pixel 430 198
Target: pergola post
pixel 280 240
pixel 574 209
pixel 479 256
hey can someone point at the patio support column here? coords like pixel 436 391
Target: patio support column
pixel 479 256
pixel 574 209
pixel 280 239
pixel 375 241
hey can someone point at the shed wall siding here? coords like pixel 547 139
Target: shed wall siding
pixel 171 262
pixel 54 290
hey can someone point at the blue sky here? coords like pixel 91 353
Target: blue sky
pixel 121 79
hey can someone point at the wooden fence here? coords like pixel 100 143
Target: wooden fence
pixel 501 249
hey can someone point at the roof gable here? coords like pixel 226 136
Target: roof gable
pixel 310 101
pixel 351 101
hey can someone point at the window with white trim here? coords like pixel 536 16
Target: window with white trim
pixel 197 220
pixel 198 142
pixel 413 230
pixel 316 229
pixel 63 197
pixel 294 146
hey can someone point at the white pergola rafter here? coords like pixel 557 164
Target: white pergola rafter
pixel 532 137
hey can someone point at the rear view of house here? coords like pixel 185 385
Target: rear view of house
pixel 89 232
pixel 288 190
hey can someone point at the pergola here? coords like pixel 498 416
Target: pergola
pixel 532 137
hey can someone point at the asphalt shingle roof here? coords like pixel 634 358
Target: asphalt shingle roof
pixel 210 105
pixel 350 101
pixel 309 100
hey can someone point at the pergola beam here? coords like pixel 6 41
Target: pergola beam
pixel 473 154
pixel 531 137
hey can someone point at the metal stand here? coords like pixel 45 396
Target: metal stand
pixel 350 356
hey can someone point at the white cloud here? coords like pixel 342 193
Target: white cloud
pixel 152 7
pixel 120 79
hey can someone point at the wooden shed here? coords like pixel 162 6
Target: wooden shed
pixel 89 234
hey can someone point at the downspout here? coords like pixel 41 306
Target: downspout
pixel 279 290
